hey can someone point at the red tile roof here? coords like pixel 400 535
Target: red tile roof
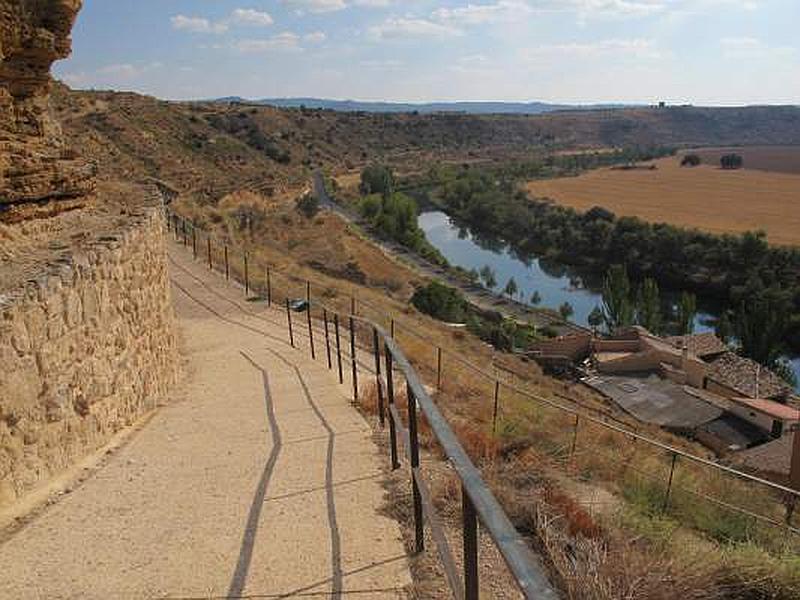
pixel 771 408
pixel 699 344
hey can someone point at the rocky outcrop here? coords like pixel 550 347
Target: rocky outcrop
pixel 38 172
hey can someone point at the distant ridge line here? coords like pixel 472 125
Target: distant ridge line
pixel 520 108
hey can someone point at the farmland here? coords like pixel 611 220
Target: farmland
pixel 779 159
pixel 704 197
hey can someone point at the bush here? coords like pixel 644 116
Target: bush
pixel 731 161
pixel 308 205
pixel 691 160
pixel 440 302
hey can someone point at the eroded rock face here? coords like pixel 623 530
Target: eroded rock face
pixel 37 169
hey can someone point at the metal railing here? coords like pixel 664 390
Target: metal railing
pixel 576 440
pixel 478 503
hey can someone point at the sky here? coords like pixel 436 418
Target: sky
pixel 707 52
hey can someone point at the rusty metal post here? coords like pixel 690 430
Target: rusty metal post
pixel 208 247
pixel 194 242
pixel 289 319
pixel 496 406
pixel 669 482
pixel 353 359
pixel 338 346
pixel 470 524
pixel 352 305
pixel 390 400
pixel 246 276
pixel 227 265
pixel 327 338
pixel 269 287
pixel 377 350
pixel 439 368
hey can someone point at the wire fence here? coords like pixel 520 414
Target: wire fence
pixel 654 477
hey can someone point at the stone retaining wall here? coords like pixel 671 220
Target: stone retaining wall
pixel 86 349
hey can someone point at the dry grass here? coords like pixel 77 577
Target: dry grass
pixel 704 197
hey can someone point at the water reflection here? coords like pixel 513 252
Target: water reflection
pixel 553 281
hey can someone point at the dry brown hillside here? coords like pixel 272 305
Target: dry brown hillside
pixel 213 148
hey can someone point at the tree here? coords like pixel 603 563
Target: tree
pixel 441 302
pixel 648 306
pixel 566 311
pixel 685 313
pixel 488 277
pixel 308 205
pixel 596 318
pixel 511 288
pixel 724 327
pixel 760 326
pixel 377 179
pixel 617 306
pixel 731 161
pixel 536 298
pixel 473 275
pixel 691 160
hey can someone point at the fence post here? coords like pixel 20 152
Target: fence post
pixel 439 368
pixel 392 329
pixel 496 406
pixel 338 346
pixel 352 305
pixel 289 319
pixel 194 242
pixel 390 400
pixel 310 330
pixel 227 265
pixel 470 524
pixel 246 276
pixel 669 483
pixel 269 288
pixel 208 247
pixel 353 359
pixel 327 338
pixel 377 350
pixel 575 436
pixel 413 438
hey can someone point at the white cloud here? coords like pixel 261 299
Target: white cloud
pixel 248 16
pixel 753 48
pixel 407 28
pixel 128 71
pixel 624 48
pixel 372 3
pixel 478 14
pixel 286 42
pixel 389 63
pixel 197 24
pixel 315 6
pixel 315 37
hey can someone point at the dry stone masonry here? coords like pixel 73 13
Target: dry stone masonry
pixel 86 349
pixel 39 174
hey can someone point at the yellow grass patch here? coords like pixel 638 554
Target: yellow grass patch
pixel 704 197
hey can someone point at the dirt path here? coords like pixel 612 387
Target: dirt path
pixel 261 481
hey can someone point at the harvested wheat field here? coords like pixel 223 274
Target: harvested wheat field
pixel 704 197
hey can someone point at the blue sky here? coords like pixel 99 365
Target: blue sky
pixel 700 51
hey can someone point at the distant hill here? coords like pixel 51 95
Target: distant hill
pixel 472 108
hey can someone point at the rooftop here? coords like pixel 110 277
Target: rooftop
pixel 770 408
pixel 747 377
pixel 699 344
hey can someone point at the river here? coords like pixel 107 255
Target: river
pixel 554 283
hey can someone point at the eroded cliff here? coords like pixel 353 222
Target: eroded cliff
pixel 39 173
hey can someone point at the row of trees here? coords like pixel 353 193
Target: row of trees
pixel 624 305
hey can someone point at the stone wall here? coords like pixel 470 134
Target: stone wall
pixel 86 349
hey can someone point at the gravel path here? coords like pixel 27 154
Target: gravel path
pixel 261 480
